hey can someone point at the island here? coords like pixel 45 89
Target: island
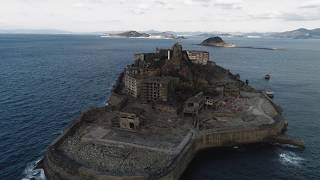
pixel 164 108
pixel 220 43
pixel 300 33
pixel 136 34
pixel 129 34
pixel 217 42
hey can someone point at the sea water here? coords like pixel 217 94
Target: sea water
pixel 48 80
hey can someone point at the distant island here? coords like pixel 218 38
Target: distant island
pixel 153 35
pixel 301 33
pixel 217 42
pixel 132 34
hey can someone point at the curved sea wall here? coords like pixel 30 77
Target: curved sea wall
pixel 232 137
pixel 58 166
pixel 223 138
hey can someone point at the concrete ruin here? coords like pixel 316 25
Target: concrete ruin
pixel 194 104
pixel 198 57
pixel 130 121
pixel 145 133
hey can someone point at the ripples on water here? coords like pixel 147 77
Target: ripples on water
pixel 46 81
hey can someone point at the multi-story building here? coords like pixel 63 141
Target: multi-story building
pixel 156 89
pixel 131 84
pixel 198 57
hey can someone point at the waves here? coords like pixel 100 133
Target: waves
pixel 30 173
pixel 46 81
pixel 290 158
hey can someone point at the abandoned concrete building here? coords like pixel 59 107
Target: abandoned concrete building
pixel 145 80
pixel 130 119
pixel 194 104
pixel 157 89
pixel 164 53
pixel 152 89
pixel 198 57
pixel 131 85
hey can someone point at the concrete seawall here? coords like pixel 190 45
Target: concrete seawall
pixel 58 166
pixel 224 138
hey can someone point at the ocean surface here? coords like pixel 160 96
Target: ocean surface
pixel 48 80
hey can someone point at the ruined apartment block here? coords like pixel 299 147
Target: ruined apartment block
pixel 198 57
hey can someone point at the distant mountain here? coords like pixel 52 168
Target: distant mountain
pixel 317 30
pixel 301 33
pixel 166 35
pixel 214 34
pixel 33 31
pixel 132 34
pixel 152 35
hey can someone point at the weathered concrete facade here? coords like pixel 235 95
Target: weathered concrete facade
pixel 132 85
pixel 194 104
pixel 198 57
pixel 157 89
pixel 129 120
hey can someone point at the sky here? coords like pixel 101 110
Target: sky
pixel 163 15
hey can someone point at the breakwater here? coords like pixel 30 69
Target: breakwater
pixel 58 166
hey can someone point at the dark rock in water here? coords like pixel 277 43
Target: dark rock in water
pixel 181 37
pixel 216 41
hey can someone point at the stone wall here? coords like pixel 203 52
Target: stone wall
pixel 210 139
pixel 59 167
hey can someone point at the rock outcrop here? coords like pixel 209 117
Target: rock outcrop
pixel 217 42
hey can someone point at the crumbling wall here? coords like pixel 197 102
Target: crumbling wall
pixel 232 137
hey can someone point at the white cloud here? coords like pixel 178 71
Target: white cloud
pixel 165 4
pixel 140 9
pixel 179 15
pixel 229 4
pixel 310 4
pixel 265 15
pixel 286 16
pixel 198 2
pixel 78 5
pixel 301 17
